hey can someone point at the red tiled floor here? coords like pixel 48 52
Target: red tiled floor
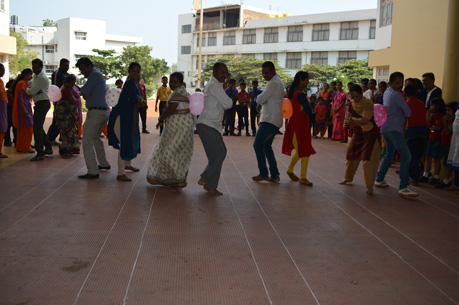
pixel 70 241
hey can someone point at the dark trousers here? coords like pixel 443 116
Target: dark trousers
pixel 53 130
pixel 253 118
pixel 162 107
pixel 264 151
pixel 39 115
pixel 229 120
pixel 416 140
pixel 243 118
pixel 143 117
pixel 9 110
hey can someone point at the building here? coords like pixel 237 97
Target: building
pixel 415 42
pixel 72 38
pixel 237 30
pixel 7 43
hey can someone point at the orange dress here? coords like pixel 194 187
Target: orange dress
pixel 23 117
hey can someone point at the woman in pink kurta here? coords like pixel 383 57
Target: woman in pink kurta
pixel 339 111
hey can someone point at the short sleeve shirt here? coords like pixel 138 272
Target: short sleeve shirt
pixel 163 93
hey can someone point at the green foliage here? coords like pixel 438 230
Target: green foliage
pixel 151 67
pixel 151 88
pixel 356 69
pixel 245 67
pixel 49 22
pixel 109 64
pixel 24 56
pixel 319 74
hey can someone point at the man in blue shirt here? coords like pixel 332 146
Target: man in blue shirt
pixel 96 119
pixel 230 114
pixel 254 93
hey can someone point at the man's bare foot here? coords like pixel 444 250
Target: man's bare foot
pixel 344 181
pixel 202 181
pixel 214 192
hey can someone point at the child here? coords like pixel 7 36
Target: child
pixel 446 136
pixel 119 84
pixel 312 103
pixel 162 95
pixel 243 110
pixel 230 114
pixel 346 128
pixel 434 118
pixel 254 114
pixel 453 155
pixel 321 112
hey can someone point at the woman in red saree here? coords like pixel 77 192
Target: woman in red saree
pixel 339 111
pixel 22 112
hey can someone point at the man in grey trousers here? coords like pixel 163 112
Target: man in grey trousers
pixel 209 128
pixel 96 119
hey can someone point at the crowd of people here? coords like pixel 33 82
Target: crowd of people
pixel 420 128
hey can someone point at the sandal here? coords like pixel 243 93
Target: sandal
pixel 132 168
pixel 37 158
pixel 292 176
pixel 305 182
pixel 123 178
pixel 3 156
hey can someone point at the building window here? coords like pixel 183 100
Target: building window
pixel 349 30
pixel 386 12
pixel 2 5
pixel 229 38
pixel 80 35
pixel 293 60
pixel 382 74
pixel 49 69
pixel 346 55
pixel 271 35
pixel 270 56
pixel 186 50
pixel 320 32
pixel 203 40
pixel 249 37
pixel 49 49
pixel 295 33
pixel 248 54
pixel 212 39
pixel 202 63
pixel 2 59
pixel 186 28
pixel 319 58
pixel 372 29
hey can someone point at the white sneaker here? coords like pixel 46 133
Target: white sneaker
pixel 407 192
pixel 381 184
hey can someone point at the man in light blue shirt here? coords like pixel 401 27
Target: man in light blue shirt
pixel 392 132
pixel 96 119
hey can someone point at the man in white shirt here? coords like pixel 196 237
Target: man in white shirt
pixel 372 92
pixel 209 125
pixel 271 120
pixel 39 91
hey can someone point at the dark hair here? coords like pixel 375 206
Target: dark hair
pixel 373 80
pixel 339 82
pixel 333 83
pixel 452 106
pixel 38 62
pixel 382 83
pixel 395 75
pixel 410 90
pixel 313 96
pixel 217 65
pixel 232 81
pixel 356 88
pixel 418 83
pixel 240 80
pixel 269 65
pixel 439 104
pixel 410 80
pixel 254 82
pixel 300 75
pixel 9 83
pixel 178 75
pixel 134 64
pixel 243 84
pixel 70 78
pixel 326 84
pixel 429 75
pixel 118 81
pixel 364 81
pixel 63 60
pixel 84 61
pixel 1 65
pixel 19 78
pixel 197 90
pixel 350 84
pixel 164 77
pixel 320 98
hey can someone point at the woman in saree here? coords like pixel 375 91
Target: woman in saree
pixel 339 111
pixel 66 113
pixel 123 124
pixel 172 155
pixel 297 136
pixel 22 112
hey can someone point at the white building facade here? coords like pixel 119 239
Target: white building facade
pixel 7 43
pixel 72 39
pixel 293 41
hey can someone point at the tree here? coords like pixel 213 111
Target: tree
pixel 245 67
pixel 24 56
pixel 151 67
pixel 355 69
pixel 320 74
pixel 108 63
pixel 49 22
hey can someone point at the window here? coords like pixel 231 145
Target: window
pixel 212 39
pixel 346 55
pixel 203 40
pixel 49 49
pixel 229 38
pixel 349 30
pixel 186 28
pixel 319 58
pixel 80 35
pixel 271 35
pixel 248 54
pixel 203 63
pixel 2 59
pixel 293 60
pixel 249 37
pixel 2 5
pixel 320 32
pixel 386 12
pixel 270 56
pixel 382 74
pixel 49 69
pixel 295 33
pixel 185 50
pixel 372 29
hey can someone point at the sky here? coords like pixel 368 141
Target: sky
pixel 157 21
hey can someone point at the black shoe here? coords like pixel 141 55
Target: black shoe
pixel 145 131
pixel 89 176
pixel 195 132
pixel 279 132
pixel 423 179
pixel 247 134
pixel 104 167
pixel 238 134
pixel 442 185
pixel 254 133
pixel 225 134
pixel 233 134
pixel 8 144
pixel 434 181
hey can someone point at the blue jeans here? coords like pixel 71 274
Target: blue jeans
pixel 264 151
pixel 395 142
pixel 416 141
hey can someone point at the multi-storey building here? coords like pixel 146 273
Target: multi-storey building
pixel 7 43
pixel 72 38
pixel 238 30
